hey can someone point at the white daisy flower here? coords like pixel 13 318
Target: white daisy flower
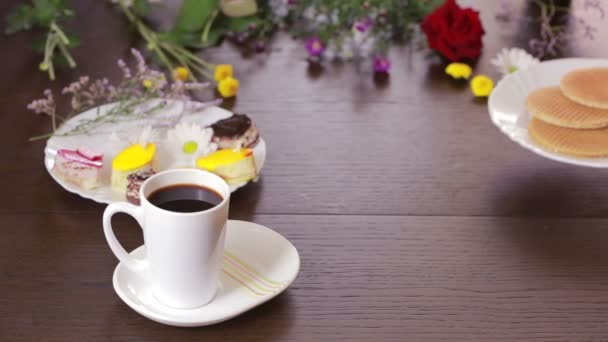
pixel 145 136
pixel 511 60
pixel 188 142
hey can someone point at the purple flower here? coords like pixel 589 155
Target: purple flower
pixel 382 64
pixel 260 46
pixel 364 24
pixel 292 2
pixel 315 46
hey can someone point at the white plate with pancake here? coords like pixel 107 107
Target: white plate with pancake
pixel 100 141
pixel 507 104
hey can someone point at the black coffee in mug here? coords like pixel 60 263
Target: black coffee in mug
pixel 185 198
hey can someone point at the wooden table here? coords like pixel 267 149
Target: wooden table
pixel 415 218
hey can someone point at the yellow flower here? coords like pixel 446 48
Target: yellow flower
pixel 147 84
pixel 482 85
pixel 228 87
pixel 458 70
pixel 181 73
pixel 222 71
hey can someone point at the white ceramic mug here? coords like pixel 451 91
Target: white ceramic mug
pixel 183 250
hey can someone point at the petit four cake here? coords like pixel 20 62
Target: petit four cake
pixel 81 167
pixel 135 180
pixel 133 159
pixel 235 132
pixel 233 166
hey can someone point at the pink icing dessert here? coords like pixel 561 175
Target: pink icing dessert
pixel 81 167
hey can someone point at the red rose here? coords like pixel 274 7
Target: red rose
pixel 454 32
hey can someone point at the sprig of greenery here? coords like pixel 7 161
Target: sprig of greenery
pixel 170 48
pixel 48 16
pixel 131 98
pixel 333 20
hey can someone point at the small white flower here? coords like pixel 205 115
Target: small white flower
pixel 188 142
pixel 309 13
pixel 347 48
pixel 366 47
pixel 511 60
pixel 279 7
pixel 331 51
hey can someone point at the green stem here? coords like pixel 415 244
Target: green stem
pixel 194 58
pixel 172 49
pixel 169 48
pixel 39 137
pixel 63 42
pixel 208 25
pixel 60 33
pixel 201 71
pixel 67 55
pixel 49 56
pixel 148 35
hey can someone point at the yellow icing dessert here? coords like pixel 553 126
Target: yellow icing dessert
pixel 131 160
pixel 233 166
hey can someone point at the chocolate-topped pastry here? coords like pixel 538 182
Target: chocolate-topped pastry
pixel 135 180
pixel 235 132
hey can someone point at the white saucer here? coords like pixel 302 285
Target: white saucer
pixel 259 264
pixel 507 104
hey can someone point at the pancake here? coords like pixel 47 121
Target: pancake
pixel 551 106
pixel 588 87
pixel 574 142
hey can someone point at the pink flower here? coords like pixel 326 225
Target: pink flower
pixel 382 64
pixel 315 46
pixel 364 24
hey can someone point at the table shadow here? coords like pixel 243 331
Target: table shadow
pixel 314 70
pixel 568 249
pixel 244 201
pixel 549 193
pixel 271 321
pixel 546 224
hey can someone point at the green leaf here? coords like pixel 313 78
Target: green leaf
pixel 241 24
pixel 238 8
pixel 186 39
pixel 141 7
pixel 214 37
pixel 194 14
pixel 46 11
pixel 19 19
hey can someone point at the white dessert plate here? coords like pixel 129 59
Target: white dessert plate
pixel 507 104
pixel 251 275
pixel 100 141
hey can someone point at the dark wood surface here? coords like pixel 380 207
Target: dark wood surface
pixel 415 218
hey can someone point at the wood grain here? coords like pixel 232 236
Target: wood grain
pixel 339 143
pixel 382 278
pixel 416 219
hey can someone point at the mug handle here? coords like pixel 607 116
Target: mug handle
pixel 137 266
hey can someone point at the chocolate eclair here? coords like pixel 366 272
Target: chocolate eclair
pixel 135 180
pixel 235 132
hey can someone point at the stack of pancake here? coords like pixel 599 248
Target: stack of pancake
pixel 573 118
